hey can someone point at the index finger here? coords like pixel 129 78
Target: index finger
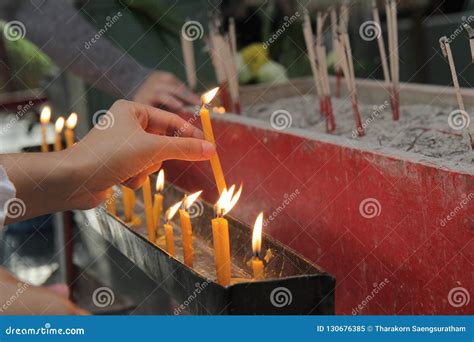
pixel 159 121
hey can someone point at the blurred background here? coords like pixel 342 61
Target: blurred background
pixel 149 30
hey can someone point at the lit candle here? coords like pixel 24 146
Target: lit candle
pixel 158 201
pixel 58 127
pixel 71 123
pixel 169 235
pixel 148 206
pixel 45 117
pixel 209 136
pixel 187 229
pixel 220 234
pixel 257 263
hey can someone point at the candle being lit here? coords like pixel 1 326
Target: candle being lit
pixel 158 200
pixel 209 136
pixel 187 229
pixel 58 127
pixel 71 123
pixel 45 118
pixel 257 263
pixel 148 207
pixel 110 202
pixel 169 235
pixel 220 234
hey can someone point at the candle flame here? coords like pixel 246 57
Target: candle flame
pixel 189 200
pixel 228 200
pixel 58 126
pixel 220 110
pixel 207 97
pixel 160 181
pixel 45 116
pixel 257 235
pixel 172 210
pixel 71 121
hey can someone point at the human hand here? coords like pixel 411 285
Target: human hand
pixel 128 144
pixel 21 298
pixel 163 89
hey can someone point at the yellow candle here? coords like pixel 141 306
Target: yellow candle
pixel 148 207
pixel 128 203
pixel 220 234
pixel 71 123
pixel 257 268
pixel 58 127
pixel 110 202
pixel 187 237
pixel 169 235
pixel 209 136
pixel 45 117
pixel 187 229
pixel 257 263
pixel 158 200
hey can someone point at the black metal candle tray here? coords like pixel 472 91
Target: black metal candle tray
pixel 293 285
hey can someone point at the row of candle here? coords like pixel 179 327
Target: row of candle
pixel 70 124
pixel 220 228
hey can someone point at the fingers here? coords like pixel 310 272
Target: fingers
pixel 163 122
pixel 170 102
pixel 186 95
pixel 190 149
pixel 137 181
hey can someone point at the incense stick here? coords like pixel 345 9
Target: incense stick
pixel 381 44
pixel 189 64
pixel 392 27
pixel 470 33
pixel 323 73
pixel 232 36
pixel 308 37
pixel 337 63
pixel 446 49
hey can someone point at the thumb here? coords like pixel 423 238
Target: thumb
pixel 191 149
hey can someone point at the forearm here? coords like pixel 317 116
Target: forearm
pixel 44 182
pixel 62 33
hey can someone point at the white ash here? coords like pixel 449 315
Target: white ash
pixel 422 129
